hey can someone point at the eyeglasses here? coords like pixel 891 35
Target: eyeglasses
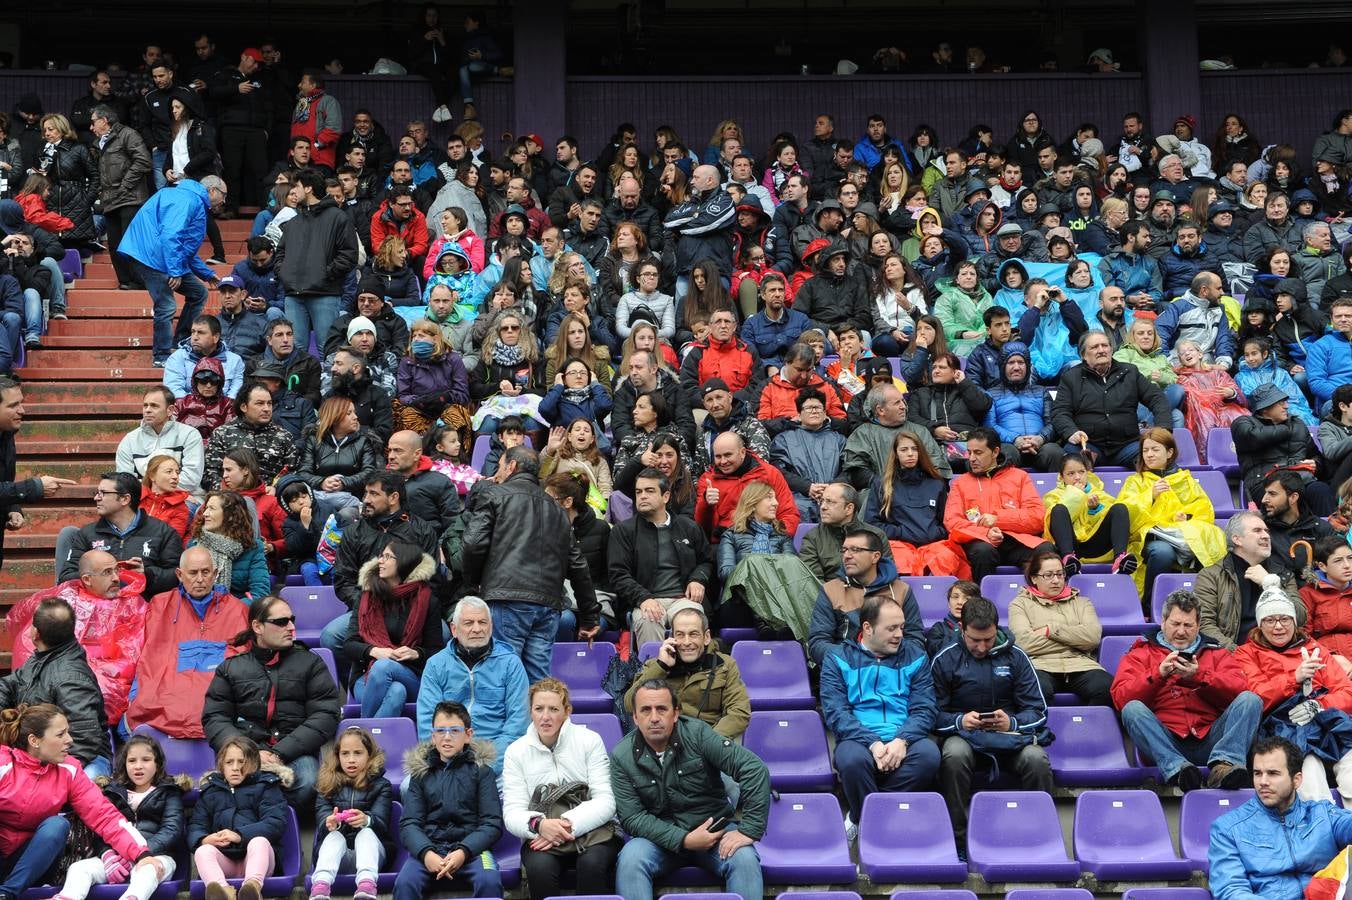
pixel 448 730
pixel 100 492
pixel 1054 576
pixel 510 328
pixel 847 550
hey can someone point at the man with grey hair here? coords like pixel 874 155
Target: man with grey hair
pixel 1227 591
pixel 870 444
pixel 124 163
pixel 839 507
pixel 483 674
pixel 518 548
pixel 646 373
pixel 1318 260
pixel 1185 700
pixel 1095 407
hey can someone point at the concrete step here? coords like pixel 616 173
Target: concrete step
pixel 104 449
pixel 72 427
pixel 110 357
pixel 95 341
pixel 83 469
pixel 104 269
pixel 51 519
pixel 115 373
pixel 92 394
pixel 38 412
pixel 105 329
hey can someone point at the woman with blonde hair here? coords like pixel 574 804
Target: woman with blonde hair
pixel 756 528
pixel 68 164
pixel 336 455
pixel 644 336
pixel 1142 349
pixel 906 502
pixel 615 273
pixel 728 129
pixel 431 382
pixel 391 265
pixel 627 161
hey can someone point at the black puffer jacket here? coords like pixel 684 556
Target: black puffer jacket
pixel 202 156
pixel 363 539
pixel 633 558
pixel 376 800
pixel 61 676
pixel 356 458
pixel 297 687
pixel 518 547
pixel 75 186
pixel 318 249
pixel 254 808
pixel 832 300
pixel 1262 446
pixel 159 815
pixel 124 163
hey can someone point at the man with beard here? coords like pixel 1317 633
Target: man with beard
pixel 1287 520
pixel 349 377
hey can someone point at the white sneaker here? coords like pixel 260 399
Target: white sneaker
pixel 441 114
pixel 851 830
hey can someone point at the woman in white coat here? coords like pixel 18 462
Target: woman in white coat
pixel 557 798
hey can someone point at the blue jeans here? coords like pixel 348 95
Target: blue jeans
pixel 32 314
pixel 312 313
pixel 99 765
pixel 886 345
pixel 529 629
pixel 470 69
pixel 11 340
pixel 1159 557
pixel 157 161
pixel 414 881
pixel 1227 740
pixel 642 862
pixel 35 856
pixel 1122 456
pixel 194 292
pixel 58 304
pixel 385 688
pixel 332 637
pixel 301 794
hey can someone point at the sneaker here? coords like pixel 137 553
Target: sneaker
pixel 1125 564
pixel 127 286
pixel 32 343
pixel 441 114
pixel 1187 779
pixel 1071 562
pixel 251 889
pixel 215 261
pixel 320 890
pixel 159 363
pixel 851 830
pixel 366 890
pixel 226 215
pixel 59 315
pixel 470 113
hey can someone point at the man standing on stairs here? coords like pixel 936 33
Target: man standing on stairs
pixel 162 243
pixel 12 492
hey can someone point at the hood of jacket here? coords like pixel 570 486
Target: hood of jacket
pixel 1015 348
pixel 919 218
pixel 423 757
pixel 1006 266
pixel 277 772
pixel 999 217
pixel 1293 286
pixel 453 248
pixel 887 573
pixel 423 571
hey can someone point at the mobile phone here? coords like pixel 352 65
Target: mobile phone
pixel 719 824
pixel 986 716
pixel 1187 655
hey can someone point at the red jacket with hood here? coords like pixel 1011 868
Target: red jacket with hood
pixel 199 412
pixel 1187 707
pixel 716 519
pixel 1329 619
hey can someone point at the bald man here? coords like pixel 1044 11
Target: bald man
pixel 99 574
pixel 733 468
pixel 429 495
pixel 703 226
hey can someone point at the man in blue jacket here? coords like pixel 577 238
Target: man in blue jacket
pixel 878 697
pixel 1329 360
pixel 162 242
pixel 1199 316
pixel 1273 845
pixel 991 712
pixel 1132 269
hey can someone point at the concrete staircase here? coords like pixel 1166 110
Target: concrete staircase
pixel 82 393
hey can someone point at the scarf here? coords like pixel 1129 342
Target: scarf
pixel 371 615
pixel 506 355
pixel 576 396
pixel 1237 138
pixel 224 551
pixel 1065 594
pixel 302 114
pixel 1191 648
pixel 760 535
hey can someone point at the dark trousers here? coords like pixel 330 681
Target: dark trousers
pixel 1091 686
pixel 214 235
pixel 116 223
pixel 595 868
pixel 244 153
pixel 958 762
pixel 479 872
pixel 1047 458
pixel 437 80
pixel 1112 535
pixel 985 558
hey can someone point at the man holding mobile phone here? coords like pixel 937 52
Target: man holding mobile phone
pixel 1184 701
pixel 991 709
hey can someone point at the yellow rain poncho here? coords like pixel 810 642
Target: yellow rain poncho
pixel 1199 530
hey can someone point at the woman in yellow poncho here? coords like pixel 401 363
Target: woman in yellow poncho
pixel 1084 521
pixel 1172 519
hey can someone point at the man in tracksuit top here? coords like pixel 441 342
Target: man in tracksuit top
pixel 992 714
pixel 878 697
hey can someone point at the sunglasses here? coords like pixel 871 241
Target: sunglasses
pixel 510 328
pixel 281 621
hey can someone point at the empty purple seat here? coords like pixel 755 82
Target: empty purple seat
pixel 619 508
pixel 1220 452
pixel 582 667
pixel 1049 894
pixel 775 673
pixel 1113 481
pixel 1116 602
pixel 1121 835
pixel 649 650
pixel 908 838
pixel 295 581
pixel 1112 648
pixel 283 880
pixel 1045 482
pixel 1165 585
pixel 72 266
pixel 1000 590
pixel 932 596
pixel 825 895
pixel 933 895
pixel 801 533
pixel 730 636
pixel 695 896
pixel 1188 457
pixel 604 724
pixel 1218 489
pixel 1178 893
pixel 1200 808
pixel 1016 836
pixel 507 853
pixel 479 455
pixel 588 897
pixel 804 842
pixel 1088 750
pixel 792 743
pixel 395 737
pixel 314 607
pixel 326 654
pixel 188 756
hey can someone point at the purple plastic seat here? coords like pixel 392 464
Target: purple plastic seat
pixel 1122 835
pixel 604 724
pixel 581 668
pixel 1000 590
pixel 619 508
pixel 287 871
pixel 326 654
pixel 804 842
pixel 1218 489
pixel 801 533
pixel 1049 894
pixel 895 363
pixel 1116 601
pixel 1220 452
pixel 188 756
pixel 1188 457
pixel 649 650
pixel 908 838
pixel 1088 750
pixel 1113 481
pixel 775 674
pixel 1112 648
pixel 685 879
pixel 1165 585
pixel 314 607
pixel 294 581
pixel 933 895
pixel 587 897
pixel 72 266
pixel 825 895
pixel 479 455
pixel 1178 893
pixel 1045 482
pixel 1200 808
pixel 507 853
pixel 395 737
pixel 792 743
pixel 932 596
pixel 730 636
pixel 1016 836
pixel 345 884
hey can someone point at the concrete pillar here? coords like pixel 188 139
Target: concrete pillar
pixel 1167 35
pixel 540 58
